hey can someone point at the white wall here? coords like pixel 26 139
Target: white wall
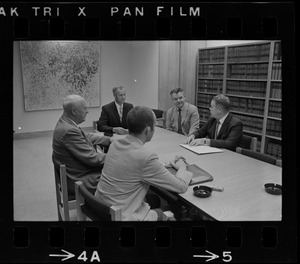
pixel 144 73
pixel 122 62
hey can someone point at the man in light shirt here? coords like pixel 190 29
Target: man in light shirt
pixel 183 117
pixel 130 169
pixel 113 115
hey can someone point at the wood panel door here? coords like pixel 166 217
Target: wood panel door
pixel 168 69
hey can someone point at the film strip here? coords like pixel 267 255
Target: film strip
pixel 184 241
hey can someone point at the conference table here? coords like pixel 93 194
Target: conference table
pixel 243 178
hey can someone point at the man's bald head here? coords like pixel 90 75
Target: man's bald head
pixel 75 108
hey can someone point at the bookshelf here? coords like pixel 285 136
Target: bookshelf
pixel 250 75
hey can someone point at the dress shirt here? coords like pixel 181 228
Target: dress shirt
pixel 120 110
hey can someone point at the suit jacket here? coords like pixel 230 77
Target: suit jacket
pixel 229 136
pixel 72 147
pixel 125 183
pixel 110 117
pixel 189 119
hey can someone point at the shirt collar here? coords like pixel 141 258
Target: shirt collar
pixel 182 108
pixel 72 121
pixel 118 106
pixel 137 139
pixel 221 120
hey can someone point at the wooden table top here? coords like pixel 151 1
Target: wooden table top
pixel 243 178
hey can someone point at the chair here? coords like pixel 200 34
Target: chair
pixel 160 117
pixel 249 142
pixel 91 208
pixel 259 156
pixel 95 126
pixel 65 203
pixel 172 200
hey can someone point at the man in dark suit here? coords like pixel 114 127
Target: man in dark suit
pixel 76 149
pixel 113 115
pixel 222 130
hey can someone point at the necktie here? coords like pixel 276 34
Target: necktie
pixel 121 113
pixel 217 128
pixel 179 122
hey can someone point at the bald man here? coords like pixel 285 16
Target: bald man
pixel 77 150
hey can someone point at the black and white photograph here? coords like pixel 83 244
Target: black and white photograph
pixel 148 132
pixel 185 88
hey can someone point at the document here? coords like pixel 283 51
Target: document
pixel 201 149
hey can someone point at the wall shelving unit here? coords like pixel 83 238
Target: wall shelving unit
pixel 250 75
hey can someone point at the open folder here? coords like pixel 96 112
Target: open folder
pixel 201 149
pixel 199 175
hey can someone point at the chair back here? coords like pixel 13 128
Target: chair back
pixel 92 208
pixel 249 142
pixel 259 156
pixel 64 205
pixel 160 117
pixel 95 126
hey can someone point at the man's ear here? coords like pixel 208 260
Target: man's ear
pixel 74 111
pixel 147 130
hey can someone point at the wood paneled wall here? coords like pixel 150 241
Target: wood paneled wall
pixel 177 68
pixel 168 72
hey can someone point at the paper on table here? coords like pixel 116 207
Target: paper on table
pixel 201 149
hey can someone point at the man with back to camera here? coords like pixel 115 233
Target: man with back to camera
pixel 130 169
pixel 113 115
pixel 76 149
pixel 183 117
pixel 222 130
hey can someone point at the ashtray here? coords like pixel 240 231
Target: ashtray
pixel 273 188
pixel 202 191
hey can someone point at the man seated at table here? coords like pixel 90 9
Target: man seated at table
pixel 76 149
pixel 130 169
pixel 183 117
pixel 222 130
pixel 113 115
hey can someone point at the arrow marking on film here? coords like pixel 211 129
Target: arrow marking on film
pixel 210 257
pixel 69 255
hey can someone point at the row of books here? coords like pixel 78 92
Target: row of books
pixel 245 88
pixel 211 55
pixel 248 71
pixel 277 51
pixel 204 114
pixel 251 123
pixel 275 109
pixel 274 149
pixel 247 105
pixel 273 128
pixel 258 52
pixel 275 91
pixel 211 71
pixel 204 100
pixel 210 86
pixel 276 71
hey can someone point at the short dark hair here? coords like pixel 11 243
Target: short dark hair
pixel 222 101
pixel 138 118
pixel 176 90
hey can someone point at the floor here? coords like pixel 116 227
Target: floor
pixel 33 188
pixel 33 184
